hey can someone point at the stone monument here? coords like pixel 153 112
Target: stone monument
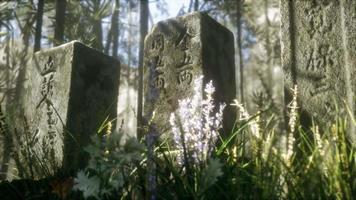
pixel 176 52
pixel 69 92
pixel 319 55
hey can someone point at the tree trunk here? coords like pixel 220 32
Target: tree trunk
pixel 115 35
pixel 190 6
pixel 196 5
pixel 115 29
pixel 108 41
pixel 268 48
pixel 20 79
pixel 114 32
pixel 26 34
pixel 60 20
pixel 38 33
pixel 144 16
pixel 8 94
pixel 98 30
pixel 128 73
pixel 240 62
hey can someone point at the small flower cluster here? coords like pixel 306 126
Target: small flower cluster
pixel 321 146
pixel 293 110
pixel 195 125
pixel 244 115
pixel 293 115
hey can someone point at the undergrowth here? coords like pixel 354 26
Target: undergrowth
pixel 263 157
pixel 258 160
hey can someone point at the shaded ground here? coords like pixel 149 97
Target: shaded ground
pixel 41 189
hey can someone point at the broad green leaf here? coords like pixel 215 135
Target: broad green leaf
pixel 88 185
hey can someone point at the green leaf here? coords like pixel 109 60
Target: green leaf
pixel 88 185
pixel 133 145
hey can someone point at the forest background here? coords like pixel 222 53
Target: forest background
pixel 116 27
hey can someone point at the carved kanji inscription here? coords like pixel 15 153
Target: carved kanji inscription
pixel 66 87
pixel 176 52
pixel 318 51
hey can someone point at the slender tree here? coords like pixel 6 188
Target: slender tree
pixel 240 62
pixel 268 45
pixel 115 28
pixel 151 137
pixel 25 34
pixel 114 31
pixel 59 23
pixel 38 33
pixel 19 87
pixel 115 34
pixel 196 5
pixel 8 71
pixel 190 6
pixel 129 61
pixel 144 16
pixel 109 39
pixel 97 28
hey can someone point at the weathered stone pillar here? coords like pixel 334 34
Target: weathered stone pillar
pixel 179 50
pixel 69 92
pixel 319 55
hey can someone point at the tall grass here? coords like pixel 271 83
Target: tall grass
pixel 258 160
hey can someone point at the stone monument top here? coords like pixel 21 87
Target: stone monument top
pixel 179 50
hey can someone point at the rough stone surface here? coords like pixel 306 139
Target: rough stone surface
pixel 69 92
pixel 319 55
pixel 179 50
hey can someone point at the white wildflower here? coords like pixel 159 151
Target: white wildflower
pixel 244 115
pixel 287 156
pixel 195 126
pixel 322 146
pixel 292 124
pixel 318 141
pixel 242 111
pixel 293 110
